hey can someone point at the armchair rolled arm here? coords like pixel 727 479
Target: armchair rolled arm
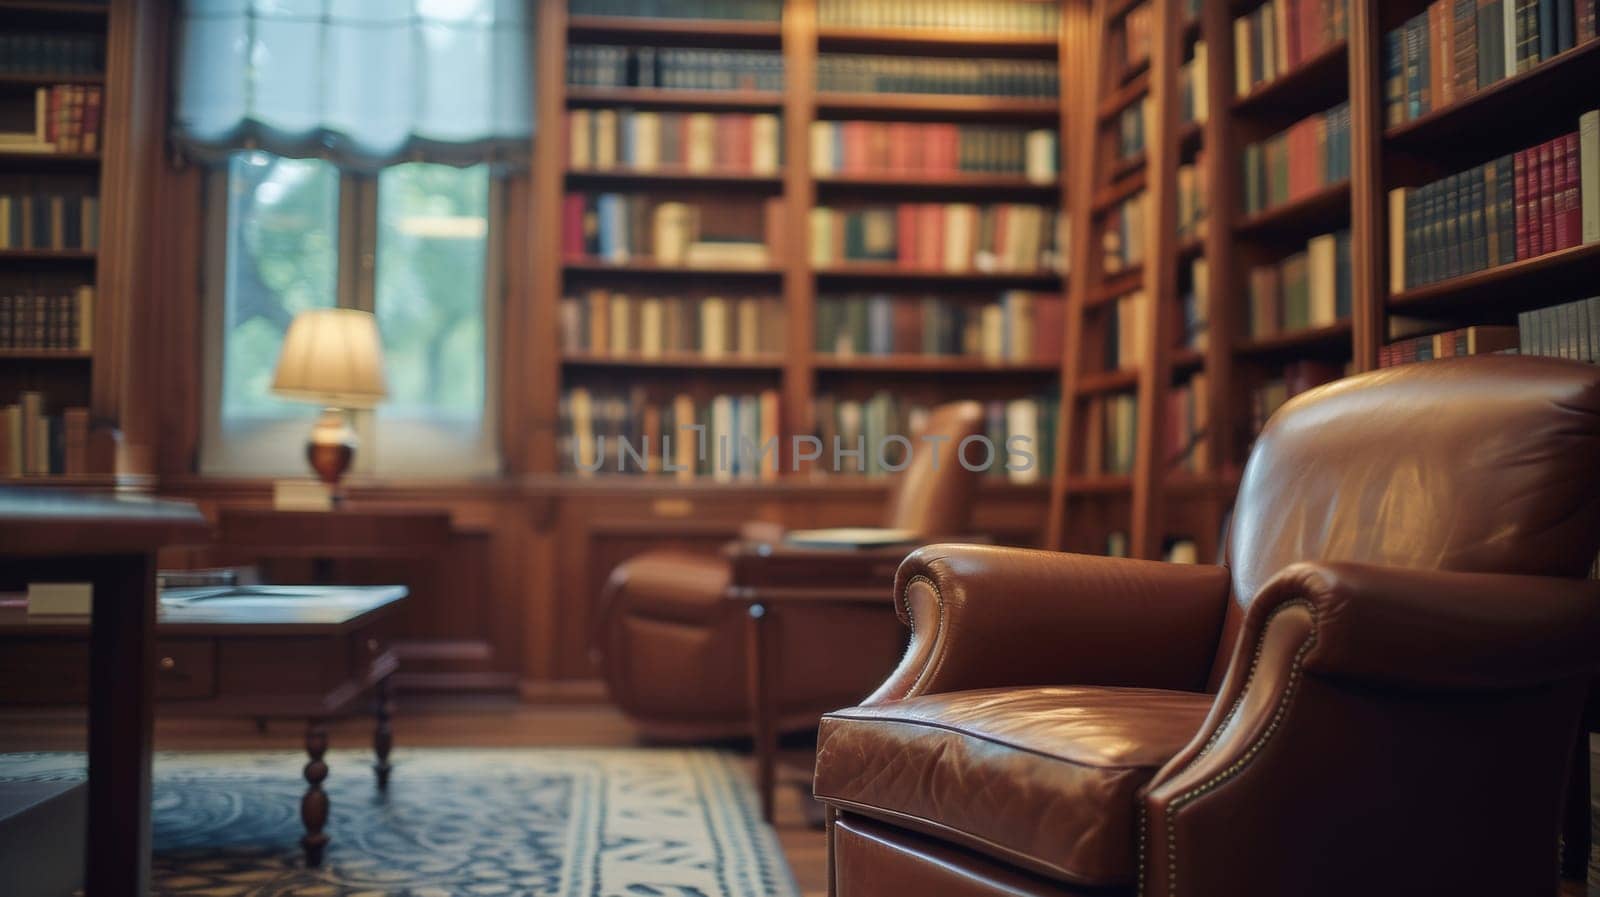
pixel 983 616
pixel 1324 684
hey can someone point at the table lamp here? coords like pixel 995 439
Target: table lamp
pixel 333 357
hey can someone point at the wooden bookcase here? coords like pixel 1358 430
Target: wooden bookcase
pixel 103 378
pixel 800 373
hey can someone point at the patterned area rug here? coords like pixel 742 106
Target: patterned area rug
pixel 458 823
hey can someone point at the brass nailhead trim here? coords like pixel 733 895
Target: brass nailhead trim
pixel 1238 766
pixel 905 601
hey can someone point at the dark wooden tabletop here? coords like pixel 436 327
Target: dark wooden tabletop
pixel 55 522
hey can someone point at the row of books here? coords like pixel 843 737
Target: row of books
pixel 620 228
pixel 1122 234
pixel 1018 439
pixel 1003 237
pixel 66 119
pixel 1194 103
pixel 1295 378
pixel 906 148
pixel 859 73
pixel 1475 340
pixel 609 139
pixel 1196 305
pixel 25 53
pixel 53 221
pixel 59 319
pixel 739 10
pixel 1311 288
pixel 1280 35
pixel 1188 416
pixel 1003 16
pixel 1126 325
pixel 1111 434
pixel 1312 154
pixel 1193 198
pixel 591 65
pixel 1538 200
pixel 1129 42
pixel 35 443
pixel 1019 326
pixel 1569 330
pixel 1455 48
pixel 1133 122
pixel 616 324
pixel 635 433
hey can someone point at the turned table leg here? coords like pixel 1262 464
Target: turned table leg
pixel 382 735
pixel 314 806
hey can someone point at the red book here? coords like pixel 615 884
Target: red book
pixel 930 235
pixel 1572 214
pixel 900 143
pixel 950 149
pixel 1558 226
pixel 744 134
pixel 905 232
pixel 1547 197
pixel 1521 184
pixel 1049 326
pixel 916 147
pixel 572 226
pixel 855 147
pixel 91 121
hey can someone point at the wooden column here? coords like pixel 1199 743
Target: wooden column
pixel 799 195
pixel 1367 236
pixel 539 361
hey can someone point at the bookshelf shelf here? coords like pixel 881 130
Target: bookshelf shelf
pixel 1191 137
pixel 1114 285
pixel 936 105
pixel 88 481
pixel 1101 484
pixel 42 80
pixel 996 182
pixel 1313 340
pixel 1122 168
pixel 1107 197
pixel 1323 209
pixel 1189 31
pixel 1100 382
pixel 1190 248
pixel 650 268
pixel 49 160
pixel 1505 102
pixel 1186 360
pixel 42 11
pixel 930 40
pixel 46 354
pixel 673 361
pixel 889 272
pixel 1316 82
pixel 1514 287
pixel 905 363
pixel 1126 95
pixel 624 178
pixel 659 29
pixel 47 255
pixel 661 97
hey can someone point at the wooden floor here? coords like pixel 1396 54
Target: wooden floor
pixel 458 723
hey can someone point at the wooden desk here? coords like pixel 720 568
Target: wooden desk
pixel 768 577
pixel 111 543
pixel 304 652
pixel 250 534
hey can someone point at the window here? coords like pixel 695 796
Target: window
pixel 411 244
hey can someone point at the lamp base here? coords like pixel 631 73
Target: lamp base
pixel 331 448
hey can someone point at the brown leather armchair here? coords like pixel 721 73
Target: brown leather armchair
pixel 672 646
pixel 1378 696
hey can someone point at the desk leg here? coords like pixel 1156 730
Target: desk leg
pixel 314 805
pixel 382 735
pixel 763 666
pixel 121 696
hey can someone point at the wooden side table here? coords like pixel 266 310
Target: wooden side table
pixel 770 577
pixel 301 652
pixel 50 536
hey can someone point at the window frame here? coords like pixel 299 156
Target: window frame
pixel 260 452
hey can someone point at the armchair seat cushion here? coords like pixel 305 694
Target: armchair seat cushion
pixel 1045 778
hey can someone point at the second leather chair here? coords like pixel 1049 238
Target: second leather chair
pixel 672 647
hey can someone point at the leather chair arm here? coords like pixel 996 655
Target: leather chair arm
pixel 1324 684
pixel 986 617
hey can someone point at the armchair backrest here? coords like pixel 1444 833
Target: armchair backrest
pixel 1484 464
pixel 934 494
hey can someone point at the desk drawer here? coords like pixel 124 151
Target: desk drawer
pixel 186 668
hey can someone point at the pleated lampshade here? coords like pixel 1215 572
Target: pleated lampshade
pixel 333 357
